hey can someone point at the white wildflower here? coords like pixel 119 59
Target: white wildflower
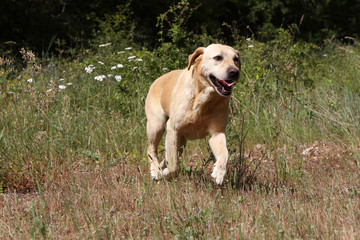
pixel 131 58
pixel 251 46
pixel 90 68
pixel 104 45
pixel 248 39
pixel 113 67
pixel 134 68
pixel 62 87
pixel 121 52
pixel 100 78
pixel 120 66
pixel 30 80
pixel 128 48
pixel 69 84
pixel 139 60
pixel 61 79
pixel 165 69
pixel 118 78
pixel 110 75
pixel 101 63
pixel 49 90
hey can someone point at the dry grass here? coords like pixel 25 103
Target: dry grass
pixel 318 199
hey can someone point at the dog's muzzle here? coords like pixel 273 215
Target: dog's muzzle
pixel 223 86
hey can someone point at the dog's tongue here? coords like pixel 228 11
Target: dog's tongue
pixel 226 83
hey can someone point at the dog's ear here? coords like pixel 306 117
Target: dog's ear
pixel 193 56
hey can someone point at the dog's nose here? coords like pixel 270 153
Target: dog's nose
pixel 233 72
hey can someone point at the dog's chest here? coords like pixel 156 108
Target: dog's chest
pixel 195 124
pixel 193 131
pixel 195 118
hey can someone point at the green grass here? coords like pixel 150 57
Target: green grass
pixel 72 161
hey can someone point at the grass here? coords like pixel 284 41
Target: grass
pixel 72 161
pixel 122 202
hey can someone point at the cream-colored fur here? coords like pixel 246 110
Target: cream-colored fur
pixel 190 104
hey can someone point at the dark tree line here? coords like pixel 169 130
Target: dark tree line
pixel 39 23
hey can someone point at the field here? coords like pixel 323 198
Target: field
pixel 73 144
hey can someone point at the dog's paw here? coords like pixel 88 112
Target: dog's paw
pixel 165 172
pixel 218 175
pixel 155 173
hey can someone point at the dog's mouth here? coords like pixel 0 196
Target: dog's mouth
pixel 222 86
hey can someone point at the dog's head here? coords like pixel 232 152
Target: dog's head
pixel 219 65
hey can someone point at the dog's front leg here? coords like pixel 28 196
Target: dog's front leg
pixel 172 145
pixel 218 146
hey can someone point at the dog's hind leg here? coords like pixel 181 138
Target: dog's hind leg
pixel 155 129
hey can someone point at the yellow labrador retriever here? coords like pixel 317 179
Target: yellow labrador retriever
pixel 192 103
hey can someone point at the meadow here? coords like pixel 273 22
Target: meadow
pixel 73 147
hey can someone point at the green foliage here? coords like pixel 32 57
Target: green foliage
pixel 172 23
pixel 281 65
pixel 116 27
pixel 61 26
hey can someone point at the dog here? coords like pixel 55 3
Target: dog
pixel 190 104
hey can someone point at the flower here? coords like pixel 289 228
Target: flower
pixel 49 90
pixel 101 63
pixel 100 78
pixel 121 52
pixel 134 68
pixel 62 87
pixel 248 39
pixel 139 60
pixel 117 66
pixel 90 68
pixel 128 48
pixel 69 84
pixel 30 80
pixel 251 46
pixel 104 45
pixel 61 79
pixel 118 78
pixel 110 75
pixel 131 58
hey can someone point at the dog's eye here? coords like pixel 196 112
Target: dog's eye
pixel 236 59
pixel 218 58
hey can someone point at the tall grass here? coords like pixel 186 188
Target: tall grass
pixel 72 148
